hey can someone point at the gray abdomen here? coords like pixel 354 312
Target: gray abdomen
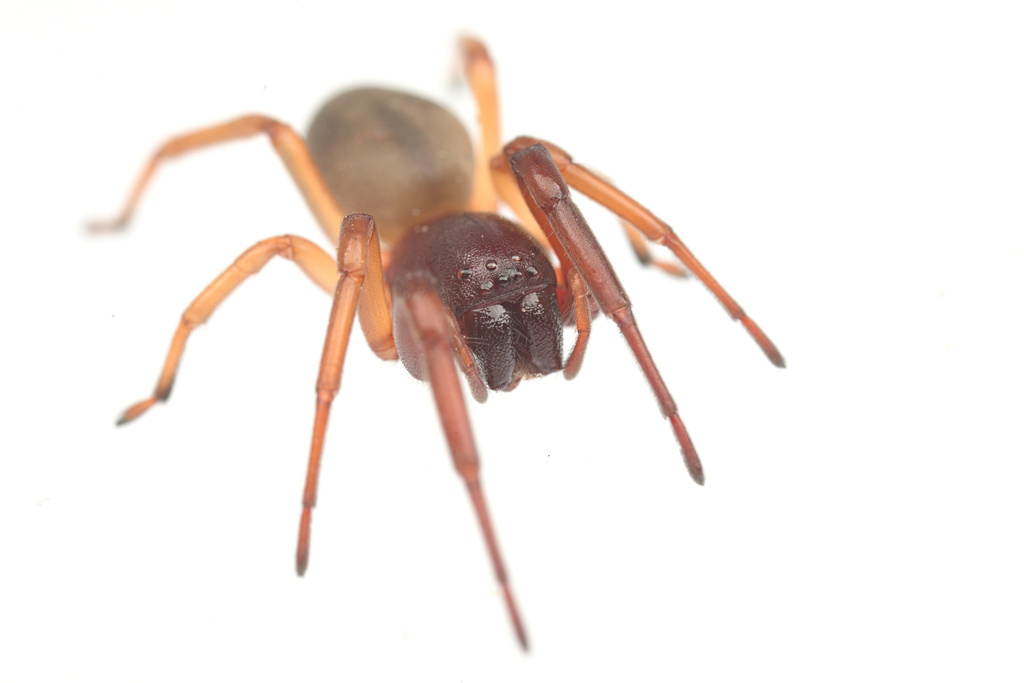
pixel 400 158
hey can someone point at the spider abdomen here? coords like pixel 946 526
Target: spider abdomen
pixel 400 158
pixel 497 283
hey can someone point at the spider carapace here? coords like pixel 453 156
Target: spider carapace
pixel 437 278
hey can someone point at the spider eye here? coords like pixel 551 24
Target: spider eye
pixel 465 273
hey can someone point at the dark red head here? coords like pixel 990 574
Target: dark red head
pixel 499 286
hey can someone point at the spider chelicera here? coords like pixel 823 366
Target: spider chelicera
pixel 438 279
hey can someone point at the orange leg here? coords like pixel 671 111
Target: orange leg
pixel 652 227
pixel 479 72
pixel 375 299
pixel 313 260
pixel 288 144
pixel 644 255
pixel 359 264
pixel 375 319
pixel 358 261
pixel 642 250
pixel 505 185
pixel 422 307
pixel 547 195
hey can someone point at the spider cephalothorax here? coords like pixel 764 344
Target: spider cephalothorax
pixel 499 286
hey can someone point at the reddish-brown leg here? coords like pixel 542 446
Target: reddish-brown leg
pixel 288 144
pixel 569 282
pixel 356 247
pixel 313 260
pixel 429 320
pixel 479 72
pixel 547 196
pixel 375 319
pixel 508 190
pixel 582 307
pixel 652 227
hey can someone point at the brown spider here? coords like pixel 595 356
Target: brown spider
pixel 460 288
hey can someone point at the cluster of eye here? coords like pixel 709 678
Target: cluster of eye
pixel 503 280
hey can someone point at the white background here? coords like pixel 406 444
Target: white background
pixel 853 176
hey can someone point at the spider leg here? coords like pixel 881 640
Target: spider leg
pixel 652 227
pixel 547 195
pixel 505 184
pixel 374 298
pixel 309 257
pixel 644 255
pixel 643 252
pixel 569 282
pixel 360 271
pixel 479 73
pixel 375 319
pixel 508 189
pixel 288 144
pixel 421 308
pixel 581 304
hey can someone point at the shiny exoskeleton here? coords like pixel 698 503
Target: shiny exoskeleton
pixel 436 277
pixel 498 285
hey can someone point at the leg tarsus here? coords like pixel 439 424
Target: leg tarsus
pixel 137 409
pixel 627 324
pixel 302 550
pixel 309 257
pixel 323 408
pixel 476 496
pixel 693 464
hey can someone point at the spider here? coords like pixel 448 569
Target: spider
pixel 437 278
